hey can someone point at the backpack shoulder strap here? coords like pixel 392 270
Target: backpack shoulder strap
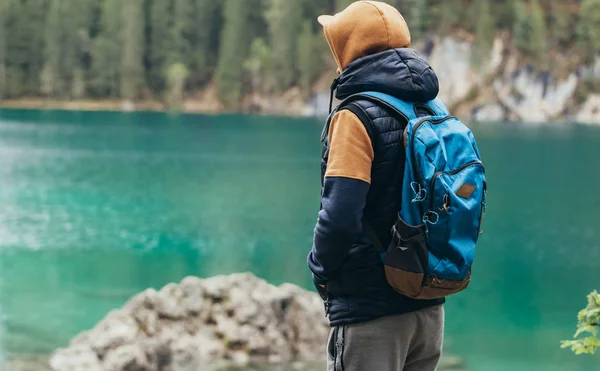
pixel 408 109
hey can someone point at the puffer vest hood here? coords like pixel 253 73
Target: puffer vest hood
pixel 362 292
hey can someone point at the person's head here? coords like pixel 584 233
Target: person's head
pixel 364 28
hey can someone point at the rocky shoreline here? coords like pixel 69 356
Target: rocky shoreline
pixel 236 322
pixel 503 89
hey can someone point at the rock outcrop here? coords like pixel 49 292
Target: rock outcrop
pixel 236 319
pixel 207 324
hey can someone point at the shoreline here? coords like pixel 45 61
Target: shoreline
pixel 201 106
pixel 109 105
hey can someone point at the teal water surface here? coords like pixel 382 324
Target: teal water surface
pixel 98 206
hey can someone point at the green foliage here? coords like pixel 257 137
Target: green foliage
pixel 3 12
pixel 416 13
pixel 588 28
pixel 521 27
pixel 235 46
pixel 560 23
pixel 52 79
pixel 207 26
pixel 446 16
pixel 177 75
pixel 66 41
pixel 259 67
pixel 285 22
pixel 132 69
pixel 161 43
pixel 484 33
pixel 309 57
pixel 128 49
pixel 25 28
pixel 537 38
pixel 504 13
pixel 342 4
pixel 106 51
pixel 588 321
pixel 530 33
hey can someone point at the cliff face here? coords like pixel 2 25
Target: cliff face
pixel 503 88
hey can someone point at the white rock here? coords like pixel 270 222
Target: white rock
pixel 590 112
pixel 128 357
pixel 489 112
pixel 117 329
pixel 451 59
pixel 244 320
pixel 76 358
pixel 197 322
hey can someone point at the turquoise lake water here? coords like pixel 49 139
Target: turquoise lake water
pixel 96 207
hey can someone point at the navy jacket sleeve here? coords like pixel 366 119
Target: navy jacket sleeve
pixel 345 189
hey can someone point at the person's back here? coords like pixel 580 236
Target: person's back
pixel 373 326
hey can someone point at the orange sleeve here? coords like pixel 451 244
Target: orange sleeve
pixel 350 149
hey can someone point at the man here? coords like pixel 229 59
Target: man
pixel 374 328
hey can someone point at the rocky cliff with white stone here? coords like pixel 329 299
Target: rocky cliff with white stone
pixel 504 87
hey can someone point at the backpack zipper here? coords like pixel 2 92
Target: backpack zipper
pixel 453 172
pixel 412 139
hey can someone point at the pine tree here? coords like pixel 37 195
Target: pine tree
pixel 161 43
pixel 537 37
pixel 505 13
pixel 78 44
pixel 522 27
pixel 52 80
pixel 66 39
pixel 415 14
pixel 309 58
pixel 446 16
pixel 183 29
pixel 25 25
pixel 530 33
pixel 484 31
pixel 311 9
pixel 285 24
pixel 106 50
pixel 177 75
pixel 259 66
pixel 207 26
pixel 238 32
pixel 3 29
pixel 132 67
pixel 342 4
pixel 559 24
pixel 588 29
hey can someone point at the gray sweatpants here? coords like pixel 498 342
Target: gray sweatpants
pixel 407 342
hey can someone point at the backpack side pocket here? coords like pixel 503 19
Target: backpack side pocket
pixel 406 259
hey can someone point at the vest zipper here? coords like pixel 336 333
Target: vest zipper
pixel 334 86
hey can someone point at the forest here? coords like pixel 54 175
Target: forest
pixel 165 49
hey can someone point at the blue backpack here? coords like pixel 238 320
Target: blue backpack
pixel 443 202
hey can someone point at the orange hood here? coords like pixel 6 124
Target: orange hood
pixel 364 28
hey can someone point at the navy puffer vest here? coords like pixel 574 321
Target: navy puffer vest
pixel 361 292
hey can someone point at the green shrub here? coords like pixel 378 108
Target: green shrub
pixel 588 322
